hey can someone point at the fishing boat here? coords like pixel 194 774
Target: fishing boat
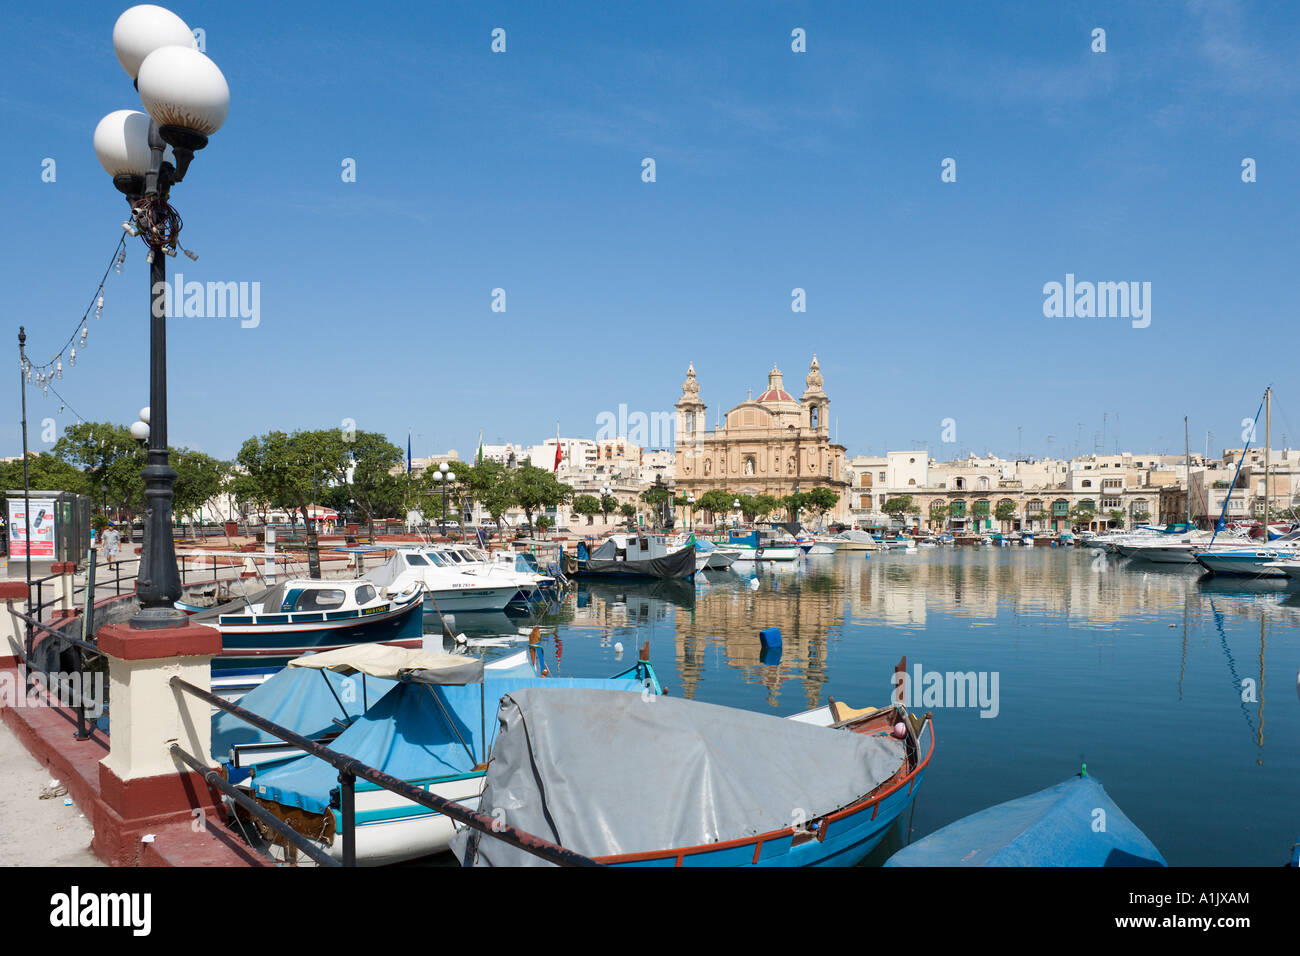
pixel 309 614
pixel 763 544
pixel 824 545
pixel 434 728
pixel 632 556
pixel 1054 827
pixel 684 783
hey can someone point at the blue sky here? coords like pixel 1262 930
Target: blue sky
pixel 775 170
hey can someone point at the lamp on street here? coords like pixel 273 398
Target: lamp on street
pixel 186 100
pixel 444 476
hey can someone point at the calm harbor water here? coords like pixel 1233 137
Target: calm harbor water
pixel 1135 670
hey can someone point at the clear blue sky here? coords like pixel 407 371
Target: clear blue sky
pixel 775 170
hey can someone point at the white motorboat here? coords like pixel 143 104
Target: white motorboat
pixel 447 589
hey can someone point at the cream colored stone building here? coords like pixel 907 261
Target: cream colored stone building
pixel 771 445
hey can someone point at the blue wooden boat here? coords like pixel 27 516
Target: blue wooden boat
pixel 683 783
pixel 1074 823
pixel 301 615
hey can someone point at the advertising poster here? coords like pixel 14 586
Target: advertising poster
pixel 42 529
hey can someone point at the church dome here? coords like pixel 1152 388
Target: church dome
pixel 775 388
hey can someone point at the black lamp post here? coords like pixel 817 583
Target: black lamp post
pixel 444 477
pixel 187 100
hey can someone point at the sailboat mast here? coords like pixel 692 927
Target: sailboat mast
pixel 1187 446
pixel 1268 441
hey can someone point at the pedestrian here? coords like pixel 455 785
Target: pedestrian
pixel 112 540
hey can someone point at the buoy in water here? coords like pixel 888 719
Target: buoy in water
pixel 753 584
pixel 618 649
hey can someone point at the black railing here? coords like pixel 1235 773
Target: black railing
pixel 81 647
pixel 350 769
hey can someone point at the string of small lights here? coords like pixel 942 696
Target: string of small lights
pixel 46 372
pixel 64 403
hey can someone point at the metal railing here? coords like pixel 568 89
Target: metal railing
pixel 350 769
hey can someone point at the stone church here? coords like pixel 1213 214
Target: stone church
pixel 774 444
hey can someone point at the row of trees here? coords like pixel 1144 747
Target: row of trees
pixel 718 503
pixel 102 461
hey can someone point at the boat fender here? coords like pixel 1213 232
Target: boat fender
pixel 900 730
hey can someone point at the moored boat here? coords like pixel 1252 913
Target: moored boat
pixel 434 728
pixel 632 556
pixel 1054 827
pixel 308 614
pixel 685 783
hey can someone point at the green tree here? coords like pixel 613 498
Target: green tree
pixel 488 483
pixel 715 503
pixel 535 489
pixel 46 473
pixel 199 479
pixel 1005 511
pixel 586 505
pixel 899 506
pixel 938 513
pixel 364 463
pixel 627 511
pixel 1115 518
pixel 821 500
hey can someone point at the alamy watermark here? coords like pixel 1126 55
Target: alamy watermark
pixel 25 688
pixel 1101 300
pixel 209 300
pixel 929 689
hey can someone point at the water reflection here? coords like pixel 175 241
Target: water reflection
pixel 1157 676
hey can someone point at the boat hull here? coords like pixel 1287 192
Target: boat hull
pixel 268 639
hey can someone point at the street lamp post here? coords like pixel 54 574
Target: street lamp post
pixel 735 521
pixel 690 511
pixel 444 477
pixel 186 99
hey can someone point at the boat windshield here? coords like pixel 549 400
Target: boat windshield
pixel 416 561
pixel 320 599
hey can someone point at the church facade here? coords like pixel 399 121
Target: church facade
pixel 771 445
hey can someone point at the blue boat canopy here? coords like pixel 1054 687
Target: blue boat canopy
pixel 416 732
pixel 1074 823
pixel 309 702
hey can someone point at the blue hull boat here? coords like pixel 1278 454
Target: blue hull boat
pixel 682 783
pixel 1074 823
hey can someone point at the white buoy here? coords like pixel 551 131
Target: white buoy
pixel 618 649
pixel 753 584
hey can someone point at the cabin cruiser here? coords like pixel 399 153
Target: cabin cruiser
pixel 1255 560
pixel 510 566
pixel 447 589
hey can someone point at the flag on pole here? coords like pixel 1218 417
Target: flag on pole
pixel 478 456
pixel 558 453
pixel 408 452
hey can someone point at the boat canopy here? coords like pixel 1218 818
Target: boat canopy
pixel 306 702
pixel 603 773
pixel 396 663
pixel 1053 827
pixel 415 733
